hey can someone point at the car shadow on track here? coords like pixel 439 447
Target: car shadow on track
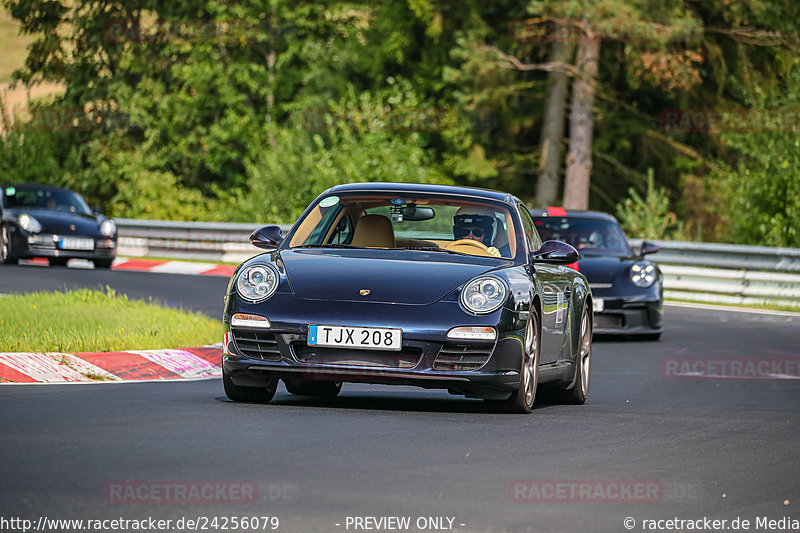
pixel 381 402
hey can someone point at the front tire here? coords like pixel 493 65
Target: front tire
pixel 5 248
pixel 58 261
pixel 249 394
pixel 326 389
pixel 521 400
pixel 103 263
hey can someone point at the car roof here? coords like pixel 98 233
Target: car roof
pixel 576 213
pixel 424 188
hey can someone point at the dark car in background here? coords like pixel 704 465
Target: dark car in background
pixel 424 285
pixel 628 290
pixel 54 223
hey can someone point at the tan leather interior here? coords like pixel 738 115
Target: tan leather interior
pixel 501 239
pixel 374 231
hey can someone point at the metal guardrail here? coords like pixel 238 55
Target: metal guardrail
pixel 728 273
pixel 703 272
pixel 204 241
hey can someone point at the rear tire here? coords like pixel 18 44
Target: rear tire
pixel 5 248
pixel 583 365
pixel 249 394
pixel 58 261
pixel 521 400
pixel 299 387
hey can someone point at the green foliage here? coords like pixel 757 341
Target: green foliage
pixel 649 217
pixel 219 127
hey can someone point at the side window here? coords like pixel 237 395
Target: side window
pixel 530 229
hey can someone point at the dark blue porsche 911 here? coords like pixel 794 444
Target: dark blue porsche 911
pixel 628 290
pixel 425 285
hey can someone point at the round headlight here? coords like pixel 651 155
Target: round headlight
pixel 30 224
pixel 108 228
pixel 484 295
pixel 257 283
pixel 643 274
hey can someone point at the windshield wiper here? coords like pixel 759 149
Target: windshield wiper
pixel 430 249
pixel 331 245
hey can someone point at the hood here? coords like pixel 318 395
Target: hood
pixel 411 278
pixel 604 269
pixel 59 222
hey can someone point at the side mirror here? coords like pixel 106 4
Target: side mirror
pixel 649 248
pixel 267 237
pixel 555 252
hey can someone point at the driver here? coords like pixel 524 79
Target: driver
pixel 477 224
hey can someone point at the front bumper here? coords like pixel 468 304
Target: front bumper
pixel 427 358
pixel 24 245
pixel 623 317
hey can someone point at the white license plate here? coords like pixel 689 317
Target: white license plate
pixel 72 243
pixel 355 337
pixel 598 304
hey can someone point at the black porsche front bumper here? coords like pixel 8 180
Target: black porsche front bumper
pixel 25 245
pixel 471 368
pixel 623 317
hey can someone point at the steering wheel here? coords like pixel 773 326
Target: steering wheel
pixel 468 243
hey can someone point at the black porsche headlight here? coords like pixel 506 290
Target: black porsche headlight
pixel 484 294
pixel 108 228
pixel 643 274
pixel 256 283
pixel 29 224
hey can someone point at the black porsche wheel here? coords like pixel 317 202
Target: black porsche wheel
pixel 103 263
pixel 58 261
pixel 5 248
pixel 583 365
pixel 249 394
pixel 521 401
pixel 300 387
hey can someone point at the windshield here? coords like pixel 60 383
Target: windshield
pixel 590 236
pixel 44 198
pixel 418 222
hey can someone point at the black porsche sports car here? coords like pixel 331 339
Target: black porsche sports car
pixel 628 290
pixel 425 285
pixel 45 221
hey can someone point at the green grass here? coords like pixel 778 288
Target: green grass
pixel 95 321
pixel 764 306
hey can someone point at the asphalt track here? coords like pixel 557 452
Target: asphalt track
pixel 717 448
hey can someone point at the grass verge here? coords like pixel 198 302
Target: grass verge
pixel 88 320
pixel 766 306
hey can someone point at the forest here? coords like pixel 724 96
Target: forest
pixel 681 117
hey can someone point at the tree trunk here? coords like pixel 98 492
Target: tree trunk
pixel 553 127
pixel 579 158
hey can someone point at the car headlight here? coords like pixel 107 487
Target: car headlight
pixel 108 228
pixel 484 294
pixel 643 274
pixel 256 283
pixel 29 224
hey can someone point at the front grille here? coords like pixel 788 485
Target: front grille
pixel 405 358
pixel 256 344
pixel 455 356
pixel 604 321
